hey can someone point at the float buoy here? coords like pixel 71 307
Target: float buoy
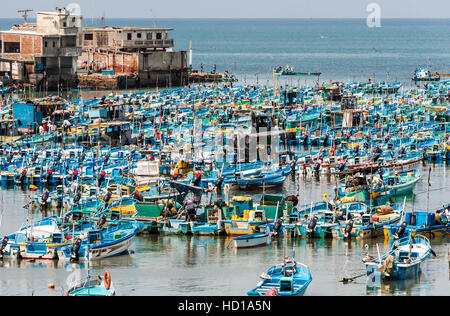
pixel 107 279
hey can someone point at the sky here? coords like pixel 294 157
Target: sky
pixel 237 8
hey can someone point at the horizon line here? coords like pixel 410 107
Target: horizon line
pixel 254 18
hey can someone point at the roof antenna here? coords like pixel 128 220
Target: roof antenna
pixel 103 19
pixel 25 14
pixel 154 19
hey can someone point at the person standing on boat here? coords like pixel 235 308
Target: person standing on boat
pixel 66 125
pixel 190 208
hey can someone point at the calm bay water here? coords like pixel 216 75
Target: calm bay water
pixel 204 266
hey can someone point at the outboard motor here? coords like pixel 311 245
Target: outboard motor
pixel 75 256
pixel 305 140
pixel 277 227
pixel 82 157
pixel 341 167
pixel 348 229
pixel 293 165
pixel 107 197
pixel 45 196
pixel 402 151
pixel 10 157
pixel 138 196
pixel 317 167
pixel 77 216
pixel 106 159
pixel 77 197
pixel 34 158
pixel 3 244
pixel 197 180
pixel 101 178
pixel 400 231
pixel 48 175
pixel 115 215
pixel 74 175
pixel 220 182
pixel 66 219
pixel 102 220
pixel 311 228
pixel 378 150
pixel 22 176
pixel 325 139
pixel 376 157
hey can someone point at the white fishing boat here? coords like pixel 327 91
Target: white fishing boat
pixel 251 241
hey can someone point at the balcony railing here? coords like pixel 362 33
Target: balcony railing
pixel 167 43
pixel 70 51
pixel 62 51
pixel 69 30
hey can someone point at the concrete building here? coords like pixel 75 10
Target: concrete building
pixel 44 53
pixel 143 56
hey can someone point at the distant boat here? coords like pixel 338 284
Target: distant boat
pixel 77 90
pixel 289 71
pixel 251 241
pixel 423 74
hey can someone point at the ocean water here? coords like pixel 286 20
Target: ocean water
pixel 209 266
pixel 341 49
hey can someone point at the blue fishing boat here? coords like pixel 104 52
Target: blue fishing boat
pixel 102 243
pixel 429 224
pixel 289 278
pixel 93 287
pixel 402 261
pixel 260 181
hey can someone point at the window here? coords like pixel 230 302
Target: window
pixel 54 44
pixel 158 36
pixel 12 47
pixel 139 35
pixel 129 36
pixel 88 37
pixel 65 24
pixel 149 36
pixel 45 43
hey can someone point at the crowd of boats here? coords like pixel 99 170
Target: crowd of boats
pixel 193 160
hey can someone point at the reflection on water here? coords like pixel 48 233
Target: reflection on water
pixel 417 286
pixel 188 265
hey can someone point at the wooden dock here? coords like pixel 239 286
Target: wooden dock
pixel 205 77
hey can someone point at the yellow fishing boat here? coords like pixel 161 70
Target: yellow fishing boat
pixel 246 225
